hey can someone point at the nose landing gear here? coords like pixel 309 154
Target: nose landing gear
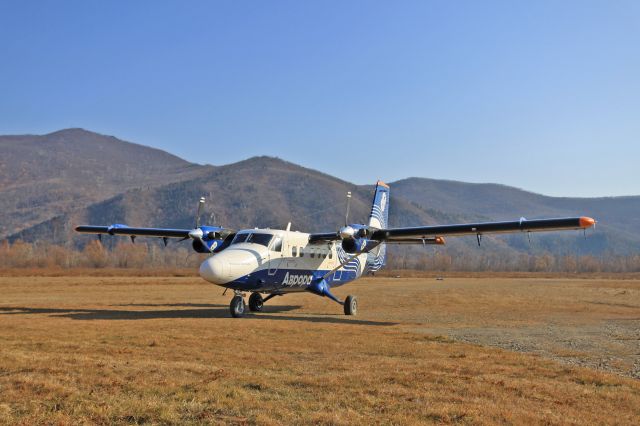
pixel 237 306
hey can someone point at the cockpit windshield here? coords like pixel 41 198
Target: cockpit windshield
pixel 240 238
pixel 253 237
pixel 262 239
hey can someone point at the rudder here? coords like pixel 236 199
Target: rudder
pixel 379 219
pixel 379 216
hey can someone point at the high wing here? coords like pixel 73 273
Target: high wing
pixel 435 234
pixel 205 239
pixel 522 225
pixel 134 232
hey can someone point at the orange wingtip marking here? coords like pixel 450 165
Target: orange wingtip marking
pixel 586 222
pixel 440 240
pixel 381 183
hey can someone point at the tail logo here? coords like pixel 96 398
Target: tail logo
pixel 383 201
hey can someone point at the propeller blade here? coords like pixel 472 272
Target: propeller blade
pixel 341 265
pixel 199 211
pixel 346 216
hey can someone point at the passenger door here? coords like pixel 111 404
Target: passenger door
pixel 275 255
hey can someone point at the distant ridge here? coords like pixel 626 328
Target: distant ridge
pixel 44 176
pixel 52 182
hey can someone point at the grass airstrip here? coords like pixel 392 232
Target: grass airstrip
pixel 163 350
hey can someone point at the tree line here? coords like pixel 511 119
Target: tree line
pixel 123 254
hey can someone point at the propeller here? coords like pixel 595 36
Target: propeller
pixel 196 233
pixel 349 233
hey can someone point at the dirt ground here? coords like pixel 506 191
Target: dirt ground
pixel 163 350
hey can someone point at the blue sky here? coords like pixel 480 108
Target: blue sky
pixel 540 95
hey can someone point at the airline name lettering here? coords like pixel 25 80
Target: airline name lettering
pixel 296 280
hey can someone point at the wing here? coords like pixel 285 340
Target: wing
pixel 205 239
pixel 522 225
pixel 434 234
pixel 134 232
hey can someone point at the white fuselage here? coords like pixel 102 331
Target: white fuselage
pixel 278 261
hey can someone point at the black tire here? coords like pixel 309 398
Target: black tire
pixel 256 302
pixel 351 305
pixel 237 306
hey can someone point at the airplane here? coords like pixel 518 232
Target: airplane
pixel 275 262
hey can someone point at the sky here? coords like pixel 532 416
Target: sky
pixel 543 95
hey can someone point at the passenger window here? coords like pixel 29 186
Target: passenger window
pixel 313 254
pixel 294 251
pixel 331 255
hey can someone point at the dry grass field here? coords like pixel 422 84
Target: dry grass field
pixel 163 350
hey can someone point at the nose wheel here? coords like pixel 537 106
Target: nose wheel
pixel 237 306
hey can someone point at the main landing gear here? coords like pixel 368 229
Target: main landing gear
pixel 256 302
pixel 237 307
pixel 351 305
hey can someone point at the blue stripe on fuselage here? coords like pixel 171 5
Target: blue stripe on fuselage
pixel 288 280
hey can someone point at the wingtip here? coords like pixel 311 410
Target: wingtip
pixel 587 222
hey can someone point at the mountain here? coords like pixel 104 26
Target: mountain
pixel 618 217
pixel 42 177
pixel 50 183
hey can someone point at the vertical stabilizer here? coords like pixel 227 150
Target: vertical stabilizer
pixel 380 209
pixel 379 219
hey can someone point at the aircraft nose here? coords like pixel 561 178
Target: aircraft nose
pixel 214 270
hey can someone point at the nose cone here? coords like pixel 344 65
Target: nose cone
pixel 214 270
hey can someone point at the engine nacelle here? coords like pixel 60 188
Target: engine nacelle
pixel 354 239
pixel 205 246
pixel 355 245
pixel 212 239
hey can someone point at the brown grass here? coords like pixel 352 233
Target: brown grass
pixel 126 350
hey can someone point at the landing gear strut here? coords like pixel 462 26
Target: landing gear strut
pixel 237 306
pixel 351 305
pixel 256 302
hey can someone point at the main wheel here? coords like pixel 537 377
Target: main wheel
pixel 237 306
pixel 256 302
pixel 351 305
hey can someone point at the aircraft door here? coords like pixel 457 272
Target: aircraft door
pixel 275 255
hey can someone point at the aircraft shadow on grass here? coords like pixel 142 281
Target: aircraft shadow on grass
pixel 211 311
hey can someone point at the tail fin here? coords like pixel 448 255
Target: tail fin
pixel 379 217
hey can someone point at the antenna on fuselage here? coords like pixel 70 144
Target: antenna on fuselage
pixel 346 216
